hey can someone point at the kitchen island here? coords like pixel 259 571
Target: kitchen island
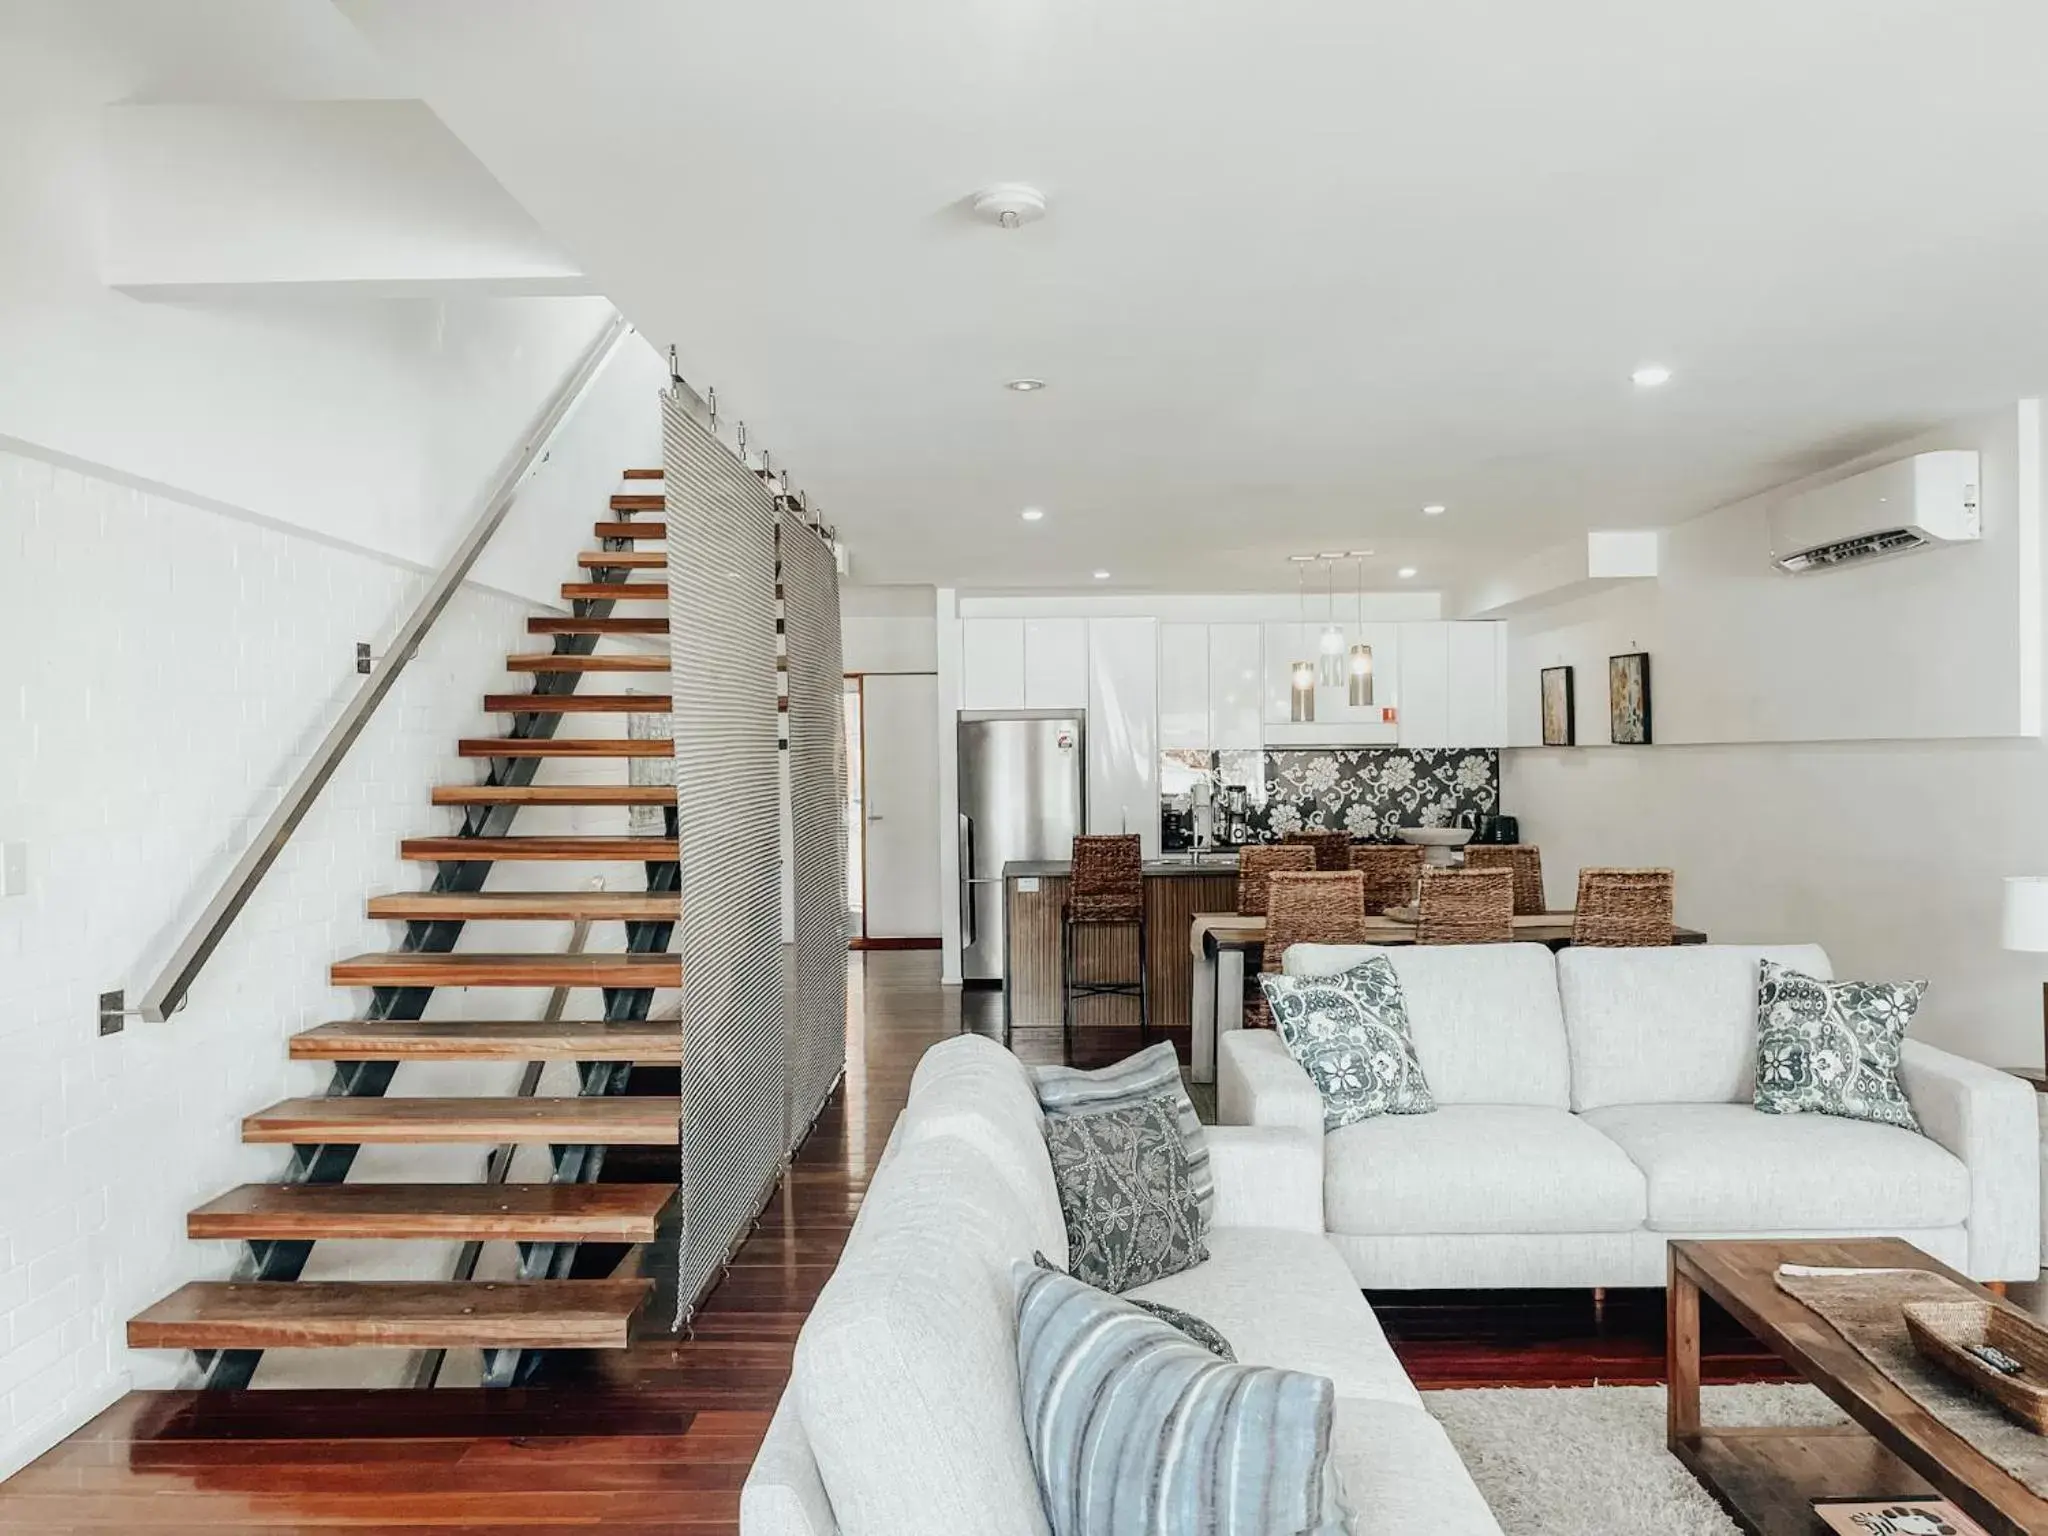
pixel 1034 979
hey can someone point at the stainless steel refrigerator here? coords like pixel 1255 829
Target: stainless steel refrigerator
pixel 1021 797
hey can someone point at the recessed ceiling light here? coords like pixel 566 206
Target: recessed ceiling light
pixel 1032 514
pixel 1405 572
pixel 1650 375
pixel 1102 575
pixel 1025 386
pixel 1435 509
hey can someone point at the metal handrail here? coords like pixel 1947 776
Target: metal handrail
pixel 167 993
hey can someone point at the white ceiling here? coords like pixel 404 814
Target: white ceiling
pixel 1309 264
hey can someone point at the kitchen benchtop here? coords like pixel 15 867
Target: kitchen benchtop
pixel 1030 869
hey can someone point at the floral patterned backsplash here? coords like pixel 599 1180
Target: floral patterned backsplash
pixel 1370 792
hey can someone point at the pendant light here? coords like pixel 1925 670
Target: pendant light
pixel 1331 662
pixel 1360 670
pixel 1301 675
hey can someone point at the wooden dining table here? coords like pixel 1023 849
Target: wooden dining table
pixel 1221 942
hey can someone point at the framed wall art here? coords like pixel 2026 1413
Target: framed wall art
pixel 1560 715
pixel 1628 699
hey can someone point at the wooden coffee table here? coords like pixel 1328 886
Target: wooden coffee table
pixel 1767 1478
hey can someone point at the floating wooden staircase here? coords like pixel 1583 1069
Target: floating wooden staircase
pixel 559 1301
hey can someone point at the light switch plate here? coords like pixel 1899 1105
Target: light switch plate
pixel 13 869
pixel 1027 885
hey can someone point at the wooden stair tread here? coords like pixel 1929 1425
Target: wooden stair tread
pixel 551 624
pixel 608 1213
pixel 628 501
pixel 616 591
pixel 516 746
pixel 576 703
pixel 624 559
pixel 539 906
pixel 490 1040
pixel 554 794
pixel 595 850
pixel 552 662
pixel 459 969
pixel 629 1120
pixel 533 1314
pixel 630 530
pixel 643 474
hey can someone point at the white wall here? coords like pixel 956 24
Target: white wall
pixel 888 629
pixel 1887 851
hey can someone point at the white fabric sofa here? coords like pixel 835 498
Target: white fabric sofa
pixel 902 1416
pixel 1595 1104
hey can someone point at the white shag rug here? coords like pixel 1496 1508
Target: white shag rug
pixel 1590 1461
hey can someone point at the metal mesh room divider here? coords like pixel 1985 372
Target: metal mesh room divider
pixel 817 811
pixel 736 1061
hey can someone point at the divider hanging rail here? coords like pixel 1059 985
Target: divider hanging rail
pixel 167 993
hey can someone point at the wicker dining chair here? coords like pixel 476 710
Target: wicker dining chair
pixel 1326 907
pixel 1465 906
pixel 1390 870
pixel 1107 890
pixel 1333 849
pixel 1526 862
pixel 1256 866
pixel 1624 908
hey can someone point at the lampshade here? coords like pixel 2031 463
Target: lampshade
pixel 2026 912
pixel 1361 676
pixel 1301 693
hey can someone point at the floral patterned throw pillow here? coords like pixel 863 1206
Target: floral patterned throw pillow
pixel 1350 1034
pixel 1128 1195
pixel 1832 1047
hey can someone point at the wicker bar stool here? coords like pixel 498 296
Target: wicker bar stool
pixel 1255 866
pixel 1333 849
pixel 1327 907
pixel 1390 870
pixel 1624 908
pixel 1108 891
pixel 1465 906
pixel 1525 860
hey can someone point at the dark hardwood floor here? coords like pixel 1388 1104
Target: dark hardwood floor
pixel 656 1440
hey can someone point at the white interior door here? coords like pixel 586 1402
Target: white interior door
pixel 901 719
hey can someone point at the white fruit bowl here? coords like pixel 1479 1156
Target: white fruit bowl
pixel 1437 843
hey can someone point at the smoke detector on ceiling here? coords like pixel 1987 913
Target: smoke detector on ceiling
pixel 1009 205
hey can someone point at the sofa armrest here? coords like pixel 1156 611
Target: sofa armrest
pixel 1988 1119
pixel 783 1495
pixel 1266 1176
pixel 1258 1083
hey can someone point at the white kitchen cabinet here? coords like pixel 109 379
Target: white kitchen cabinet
pixel 1337 722
pixel 1123 728
pixel 1234 652
pixel 1055 663
pixel 992 664
pixel 1425 669
pixel 1184 686
pixel 1477 713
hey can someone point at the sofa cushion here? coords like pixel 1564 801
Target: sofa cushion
pixel 1400 1472
pixel 906 1369
pixel 1135 1430
pixel 1832 1047
pixel 1288 1299
pixel 1128 1195
pixel 1478 1168
pixel 1730 1168
pixel 1484 1017
pixel 969 1087
pixel 1153 1073
pixel 1349 1032
pixel 1670 1025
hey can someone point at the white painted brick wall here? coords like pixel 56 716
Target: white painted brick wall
pixel 169 670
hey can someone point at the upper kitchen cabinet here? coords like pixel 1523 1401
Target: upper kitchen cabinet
pixel 1055 663
pixel 1338 722
pixel 1450 685
pixel 992 664
pixel 1233 688
pixel 1123 728
pixel 1184 687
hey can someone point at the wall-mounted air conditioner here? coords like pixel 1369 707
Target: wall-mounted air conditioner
pixel 1928 499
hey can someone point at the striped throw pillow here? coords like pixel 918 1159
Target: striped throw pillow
pixel 1136 1431
pixel 1154 1073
